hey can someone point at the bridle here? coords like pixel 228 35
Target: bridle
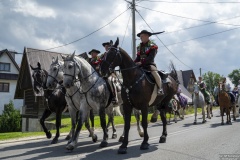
pixel 54 77
pixel 42 74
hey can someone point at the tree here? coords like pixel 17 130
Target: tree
pixel 235 76
pixel 211 79
pixel 10 120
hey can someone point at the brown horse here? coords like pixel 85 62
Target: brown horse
pixel 225 103
pixel 138 91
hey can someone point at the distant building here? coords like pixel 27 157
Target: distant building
pixel 187 79
pixel 9 71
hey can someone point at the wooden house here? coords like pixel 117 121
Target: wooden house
pixel 33 103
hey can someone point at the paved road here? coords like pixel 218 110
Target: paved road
pixel 185 142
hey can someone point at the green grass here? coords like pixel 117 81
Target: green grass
pixel 66 123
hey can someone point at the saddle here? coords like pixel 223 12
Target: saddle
pixel 163 75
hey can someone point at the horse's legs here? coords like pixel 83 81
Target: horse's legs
pixel 73 115
pixel 154 115
pixel 102 115
pixel 127 119
pixel 145 144
pixel 45 115
pixel 92 119
pixel 234 112
pixel 164 121
pixel 58 125
pixel 222 113
pixel 111 121
pixel 208 111
pixel 137 116
pixel 195 113
pixel 90 130
pixel 82 117
pixel 203 114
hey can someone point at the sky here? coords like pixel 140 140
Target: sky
pixel 198 34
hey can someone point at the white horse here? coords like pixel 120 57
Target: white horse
pixel 198 102
pixel 94 93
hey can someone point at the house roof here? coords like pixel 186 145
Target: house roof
pixel 32 57
pixel 10 56
pixel 184 77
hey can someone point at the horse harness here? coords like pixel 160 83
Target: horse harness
pixel 76 80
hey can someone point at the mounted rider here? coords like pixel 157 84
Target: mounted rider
pixel 228 90
pixel 95 59
pixel 112 80
pixel 203 89
pixel 146 52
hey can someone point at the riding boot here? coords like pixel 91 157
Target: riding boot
pixel 113 90
pixel 158 82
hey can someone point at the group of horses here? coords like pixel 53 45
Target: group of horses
pixel 73 84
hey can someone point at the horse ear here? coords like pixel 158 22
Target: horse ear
pixel 111 42
pixel 57 59
pixel 117 42
pixel 72 55
pixel 53 59
pixel 32 67
pixel 39 65
pixel 63 57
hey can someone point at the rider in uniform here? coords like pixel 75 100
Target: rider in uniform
pixel 146 52
pixel 95 59
pixel 203 89
pixel 112 80
pixel 228 90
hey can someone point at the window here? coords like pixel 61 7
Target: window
pixel 5 67
pixel 4 87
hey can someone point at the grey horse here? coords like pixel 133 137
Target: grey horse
pixel 198 102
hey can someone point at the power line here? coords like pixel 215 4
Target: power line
pixel 186 17
pixel 202 36
pixel 200 25
pixel 89 33
pixel 126 29
pixel 190 2
pixel 162 42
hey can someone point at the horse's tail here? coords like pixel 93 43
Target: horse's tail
pixel 173 72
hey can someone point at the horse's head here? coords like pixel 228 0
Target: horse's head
pixel 110 60
pixel 39 76
pixel 71 70
pixel 55 73
pixel 221 87
pixel 196 89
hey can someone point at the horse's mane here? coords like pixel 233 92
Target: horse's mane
pixel 125 53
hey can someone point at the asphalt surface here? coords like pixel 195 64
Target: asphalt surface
pixel 185 141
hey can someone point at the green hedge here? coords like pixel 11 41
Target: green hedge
pixel 10 120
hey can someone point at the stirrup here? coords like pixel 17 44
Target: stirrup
pixel 160 92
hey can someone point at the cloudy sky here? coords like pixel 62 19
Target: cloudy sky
pixel 197 35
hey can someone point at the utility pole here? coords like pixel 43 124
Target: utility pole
pixel 200 72
pixel 133 31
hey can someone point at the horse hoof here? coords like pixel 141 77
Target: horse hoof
pixel 175 121
pixel 89 135
pixel 122 150
pixel 49 135
pixel 204 121
pixel 144 146
pixel 104 144
pixel 195 123
pixel 68 137
pixel 95 138
pixel 222 123
pixel 69 147
pixel 54 141
pixel 162 139
pixel 114 136
pixel 230 123
pixel 121 139
pixel 153 120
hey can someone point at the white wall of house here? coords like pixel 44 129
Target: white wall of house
pixel 5 97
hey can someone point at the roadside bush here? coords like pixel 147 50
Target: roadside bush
pixel 10 120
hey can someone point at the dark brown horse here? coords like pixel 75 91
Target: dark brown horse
pixel 55 100
pixel 138 91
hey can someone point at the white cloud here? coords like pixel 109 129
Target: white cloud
pixel 31 8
